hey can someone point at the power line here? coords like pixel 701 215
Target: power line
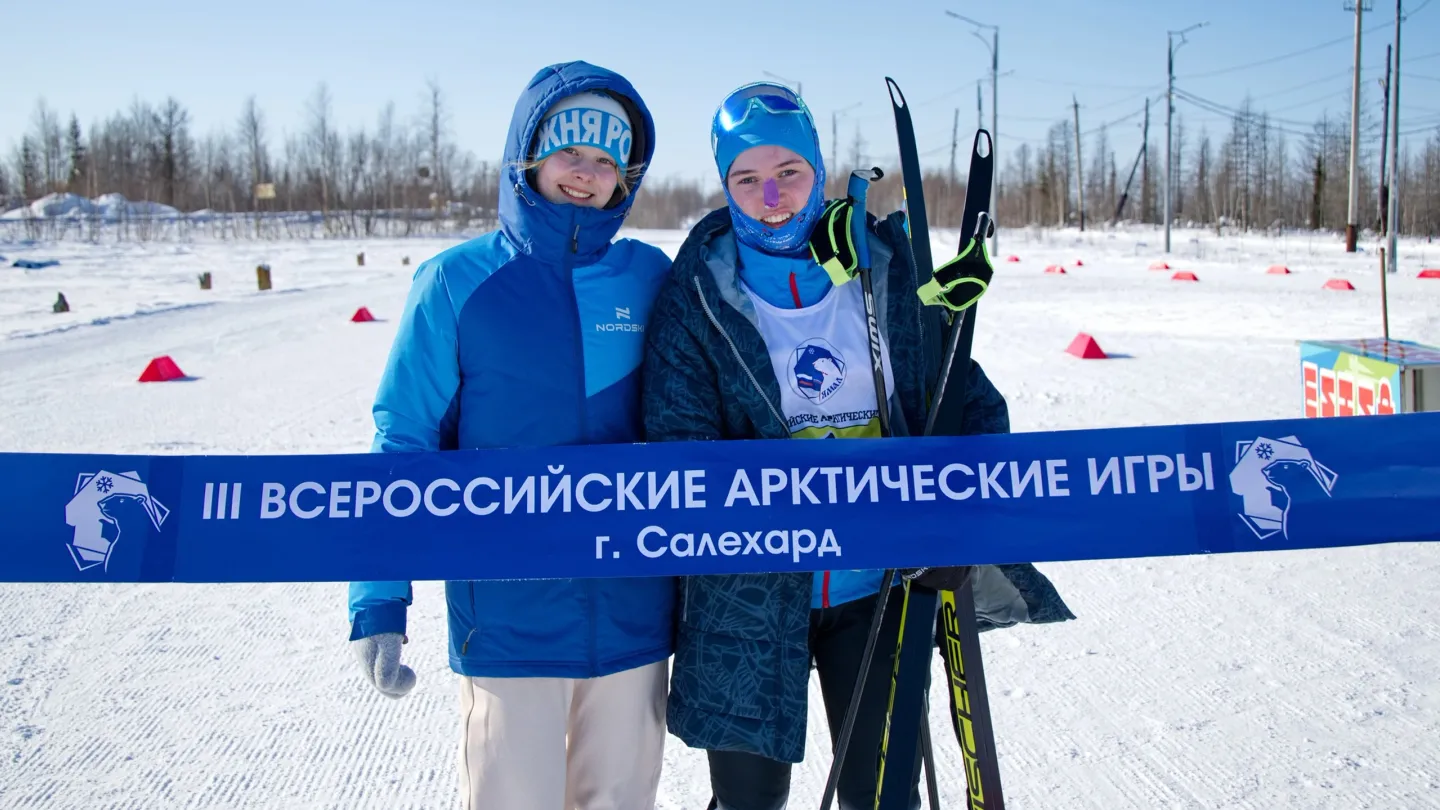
pixel 1333 76
pixel 1119 120
pixel 1158 88
pixel 1083 85
pixel 1277 124
pixel 1273 59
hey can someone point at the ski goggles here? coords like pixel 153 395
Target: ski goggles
pixel 764 96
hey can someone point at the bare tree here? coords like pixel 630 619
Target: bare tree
pixel 434 125
pixel 251 128
pixel 49 142
pixel 173 143
pixel 27 167
pixel 323 144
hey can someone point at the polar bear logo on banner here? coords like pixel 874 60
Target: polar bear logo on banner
pixel 94 512
pixel 1266 471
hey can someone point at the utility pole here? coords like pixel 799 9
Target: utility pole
pixel 1079 163
pixel 1384 139
pixel 994 46
pixel 1394 218
pixel 954 144
pixel 979 108
pixel 1353 217
pixel 835 137
pixel 1145 199
pixel 1169 115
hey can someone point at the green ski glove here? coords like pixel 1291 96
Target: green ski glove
pixel 959 283
pixel 832 244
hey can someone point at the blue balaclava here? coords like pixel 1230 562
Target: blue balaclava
pixel 769 114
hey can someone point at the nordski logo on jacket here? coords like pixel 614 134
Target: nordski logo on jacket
pixel 1269 475
pixel 105 504
pixel 624 322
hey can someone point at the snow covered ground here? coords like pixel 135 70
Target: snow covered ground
pixel 1291 680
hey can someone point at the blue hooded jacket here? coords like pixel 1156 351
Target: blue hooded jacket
pixel 531 335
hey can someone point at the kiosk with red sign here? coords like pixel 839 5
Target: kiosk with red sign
pixel 1369 376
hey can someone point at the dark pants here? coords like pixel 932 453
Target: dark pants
pixel 744 781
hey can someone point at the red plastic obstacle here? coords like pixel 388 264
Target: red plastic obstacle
pixel 1278 270
pixel 362 315
pixel 1430 274
pixel 1012 258
pixel 1339 284
pixel 1159 266
pixel 1056 269
pixel 1085 348
pixel 1079 263
pixel 1184 275
pixel 161 369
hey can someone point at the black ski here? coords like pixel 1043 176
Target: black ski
pixel 960 647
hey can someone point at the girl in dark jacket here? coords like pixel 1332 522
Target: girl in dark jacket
pixel 750 339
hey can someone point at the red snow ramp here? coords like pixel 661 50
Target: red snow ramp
pixel 1085 348
pixel 1430 274
pixel 1184 275
pixel 1159 266
pixel 1278 270
pixel 362 315
pixel 1055 268
pixel 1339 284
pixel 161 369
pixel 1012 258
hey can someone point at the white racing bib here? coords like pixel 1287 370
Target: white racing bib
pixel 821 355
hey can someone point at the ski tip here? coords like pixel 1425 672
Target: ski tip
pixel 983 144
pixel 897 98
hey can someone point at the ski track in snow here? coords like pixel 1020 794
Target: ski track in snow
pixel 1301 679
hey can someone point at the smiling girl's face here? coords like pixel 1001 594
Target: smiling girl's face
pixel 578 175
pixel 789 176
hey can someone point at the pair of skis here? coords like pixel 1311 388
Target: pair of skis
pixel 948 330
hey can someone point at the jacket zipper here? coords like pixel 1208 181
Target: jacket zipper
pixel 705 305
pixel 590 591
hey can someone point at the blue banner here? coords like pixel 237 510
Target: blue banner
pixel 722 507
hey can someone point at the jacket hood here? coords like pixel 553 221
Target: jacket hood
pixel 539 228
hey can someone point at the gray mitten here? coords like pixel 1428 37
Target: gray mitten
pixel 380 658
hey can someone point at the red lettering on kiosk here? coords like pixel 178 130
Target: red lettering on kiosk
pixel 1311 374
pixel 1345 404
pixel 1366 396
pixel 1327 392
pixel 1387 402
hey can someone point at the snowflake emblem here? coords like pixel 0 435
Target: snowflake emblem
pixel 1264 451
pixel 104 483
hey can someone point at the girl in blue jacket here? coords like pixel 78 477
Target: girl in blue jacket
pixel 751 340
pixel 509 340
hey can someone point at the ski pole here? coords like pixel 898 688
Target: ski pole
pixel 860 180
pixel 856 189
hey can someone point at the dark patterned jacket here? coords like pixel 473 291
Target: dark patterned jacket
pixel 742 662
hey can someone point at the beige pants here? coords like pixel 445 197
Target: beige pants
pixel 563 743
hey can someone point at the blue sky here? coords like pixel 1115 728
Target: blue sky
pixel 683 58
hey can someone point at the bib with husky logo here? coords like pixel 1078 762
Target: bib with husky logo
pixel 821 355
